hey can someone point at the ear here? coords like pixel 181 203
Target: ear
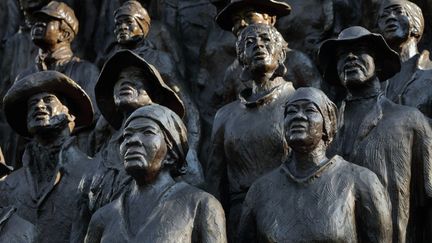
pixel 65 36
pixel 273 20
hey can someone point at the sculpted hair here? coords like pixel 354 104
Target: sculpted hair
pixel 276 38
pixel 415 16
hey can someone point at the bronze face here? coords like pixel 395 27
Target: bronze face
pixel 127 29
pixel 260 51
pixel 355 65
pixel 247 16
pixel 46 31
pixel 143 148
pixel 303 125
pixel 45 111
pixel 394 23
pixel 130 89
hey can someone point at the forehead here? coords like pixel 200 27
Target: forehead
pixel 390 5
pixel 256 32
pixel 140 123
pixel 42 95
pixel 124 17
pixel 301 102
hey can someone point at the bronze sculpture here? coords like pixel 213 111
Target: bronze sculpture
pixel 13 228
pixel 391 140
pixel 127 82
pixel 401 24
pixel 240 13
pixel 247 136
pixel 47 106
pixel 135 39
pixel 310 197
pixel 157 208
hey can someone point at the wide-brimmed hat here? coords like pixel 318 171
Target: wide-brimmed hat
pixel 15 100
pixel 60 11
pixel 108 77
pixel 387 61
pixel 271 7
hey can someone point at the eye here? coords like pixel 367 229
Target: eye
pixel 149 132
pixel 291 110
pixel 249 42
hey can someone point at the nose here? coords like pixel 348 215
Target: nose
pixel 123 26
pixel 133 140
pixel 40 105
pixel 351 56
pixel 300 115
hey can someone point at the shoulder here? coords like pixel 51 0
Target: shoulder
pixel 361 176
pixel 225 113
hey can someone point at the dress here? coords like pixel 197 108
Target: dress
pixel 14 229
pixel 340 202
pixel 182 213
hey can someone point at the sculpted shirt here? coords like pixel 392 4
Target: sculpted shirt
pixel 340 202
pixel 247 141
pixel 182 214
pixel 53 207
pixel 14 229
pixel 395 143
pixel 412 86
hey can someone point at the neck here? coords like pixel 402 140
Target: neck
pixel 367 89
pixel 49 49
pixel 145 184
pixel 54 137
pixel 407 49
pixel 305 162
pixel 265 84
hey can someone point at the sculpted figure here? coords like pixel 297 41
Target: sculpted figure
pixel 126 83
pixel 132 26
pixel 47 106
pixel 310 197
pixel 55 27
pixel 401 24
pixel 240 13
pixel 18 54
pixel 157 208
pixel 247 136
pixel 391 140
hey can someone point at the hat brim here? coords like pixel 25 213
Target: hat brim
pixel 15 100
pixel 271 7
pixel 387 62
pixel 104 89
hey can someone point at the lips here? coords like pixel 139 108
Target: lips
pixel 260 55
pixel 352 66
pixel 391 27
pixel 40 115
pixel 126 90
pixel 298 127
pixel 131 154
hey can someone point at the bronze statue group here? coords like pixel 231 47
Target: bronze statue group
pixel 331 143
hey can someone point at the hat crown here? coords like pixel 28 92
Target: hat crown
pixel 353 32
pixel 62 11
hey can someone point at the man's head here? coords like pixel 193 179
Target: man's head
pixel 45 113
pixel 356 57
pixel 55 23
pixel 154 139
pixel 132 22
pixel 261 48
pixel 128 82
pixel 400 20
pixel 241 13
pixel 46 102
pixel 130 91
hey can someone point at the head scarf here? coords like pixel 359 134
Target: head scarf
pixel 173 129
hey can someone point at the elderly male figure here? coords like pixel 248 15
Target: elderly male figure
pixel 240 13
pixel 393 141
pixel 47 106
pixel 401 24
pixel 157 208
pixel 247 136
